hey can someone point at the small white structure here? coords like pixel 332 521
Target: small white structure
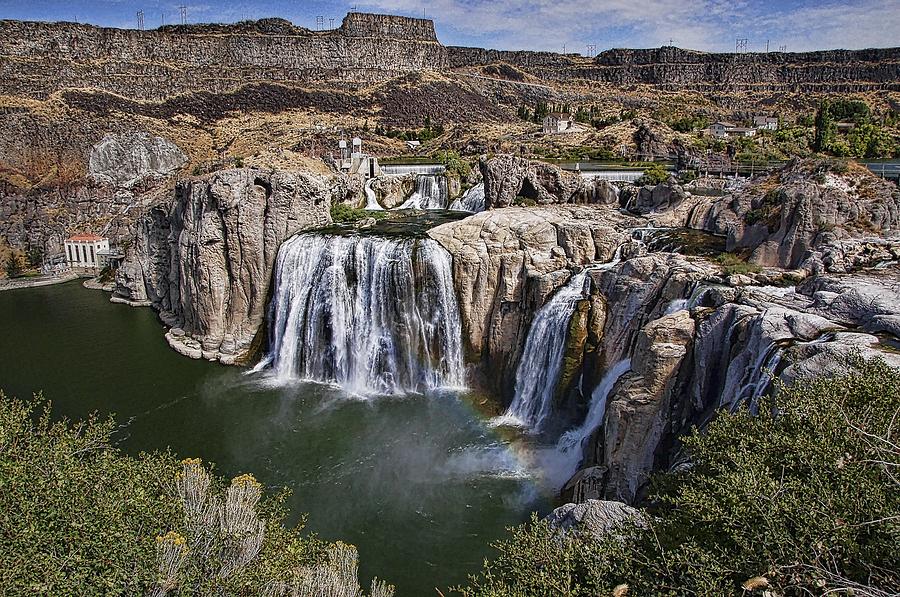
pixel 354 161
pixel 83 251
pixel 413 144
pixel 557 122
pixel 768 123
pixel 723 130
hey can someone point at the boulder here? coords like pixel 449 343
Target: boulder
pixel 596 518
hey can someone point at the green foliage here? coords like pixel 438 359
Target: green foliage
pixel 524 113
pixel 238 161
pixel 341 213
pixel 455 166
pixel 734 264
pixel 35 256
pixel 686 124
pixel 79 517
pixel 654 175
pixel 845 110
pixel 802 499
pixel 825 128
pixel 870 141
pixel 14 266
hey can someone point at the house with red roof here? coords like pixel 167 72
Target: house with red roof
pixel 87 251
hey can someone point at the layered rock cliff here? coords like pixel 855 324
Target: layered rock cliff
pixel 679 69
pixel 156 65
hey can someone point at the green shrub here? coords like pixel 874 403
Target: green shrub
pixel 734 264
pixel 654 175
pixel 79 517
pixel 341 213
pixel 804 500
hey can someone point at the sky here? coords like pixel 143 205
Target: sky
pixel 555 25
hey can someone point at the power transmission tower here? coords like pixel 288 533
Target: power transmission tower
pixel 592 48
pixel 320 23
pixel 740 45
pixel 183 10
pixel 782 48
pixel 331 22
pixel 140 19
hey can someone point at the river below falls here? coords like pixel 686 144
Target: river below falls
pixel 420 484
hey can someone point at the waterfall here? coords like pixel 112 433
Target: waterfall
pixel 542 358
pixel 374 315
pixel 371 199
pixel 430 193
pixel 472 201
pixel 572 441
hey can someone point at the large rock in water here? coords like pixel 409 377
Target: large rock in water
pixel 127 159
pixel 205 261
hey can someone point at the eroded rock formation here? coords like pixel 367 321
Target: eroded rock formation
pixel 205 259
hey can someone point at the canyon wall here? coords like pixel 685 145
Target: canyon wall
pixel 155 65
pixel 827 71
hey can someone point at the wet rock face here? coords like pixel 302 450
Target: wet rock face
pixel 205 260
pixel 646 200
pixel 128 159
pixel 507 262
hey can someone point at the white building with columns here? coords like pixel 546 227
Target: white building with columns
pixel 83 251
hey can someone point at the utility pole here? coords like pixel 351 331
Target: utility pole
pixel 140 19
pixel 183 10
pixel 331 22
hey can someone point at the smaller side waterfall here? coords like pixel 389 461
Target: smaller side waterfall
pixel 371 199
pixel 542 358
pixel 472 201
pixel 572 442
pixel 430 193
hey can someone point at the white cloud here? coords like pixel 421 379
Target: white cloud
pixel 699 24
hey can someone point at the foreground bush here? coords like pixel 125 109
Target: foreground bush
pixel 805 502
pixel 79 517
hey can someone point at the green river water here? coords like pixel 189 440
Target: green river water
pixel 420 484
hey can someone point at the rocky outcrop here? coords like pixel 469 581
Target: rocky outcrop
pixel 507 262
pixel 696 347
pixel 595 518
pixel 392 191
pixel 781 219
pixel 509 180
pixel 128 159
pixel 646 200
pixel 205 260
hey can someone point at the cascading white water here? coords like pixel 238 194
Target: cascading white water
pixel 430 193
pixel 472 201
pixel 572 442
pixel 372 199
pixel 404 169
pixel 374 315
pixel 539 368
